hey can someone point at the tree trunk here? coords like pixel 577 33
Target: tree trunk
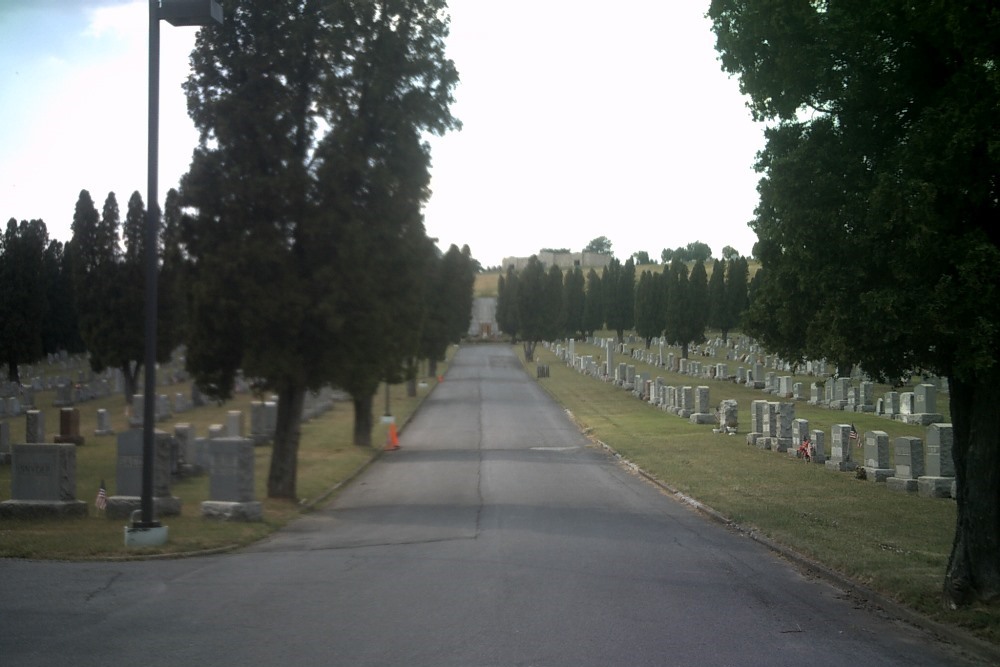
pixel 432 368
pixel 411 387
pixel 285 453
pixel 529 350
pixel 973 568
pixel 12 372
pixel 684 352
pixel 131 377
pixel 364 420
pixel 621 335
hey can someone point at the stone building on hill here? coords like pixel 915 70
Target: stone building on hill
pixel 564 260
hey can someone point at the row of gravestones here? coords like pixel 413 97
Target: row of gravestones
pixel 43 480
pixel 773 427
pixel 43 475
pixel 916 407
pixel 691 403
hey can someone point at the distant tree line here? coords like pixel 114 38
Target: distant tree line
pixel 537 304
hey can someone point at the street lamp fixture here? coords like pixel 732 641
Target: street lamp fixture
pixel 178 13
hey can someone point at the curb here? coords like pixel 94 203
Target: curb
pixel 973 646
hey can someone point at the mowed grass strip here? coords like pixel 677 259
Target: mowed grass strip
pixel 895 543
pixel 327 457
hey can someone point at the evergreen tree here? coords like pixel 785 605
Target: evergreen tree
pixel 575 300
pixel 555 304
pixel 593 306
pixel 717 304
pixel 23 303
pixel 736 297
pixel 649 307
pixel 677 329
pixel 533 306
pixel 322 171
pixel 698 302
pixel 61 329
pixel 508 318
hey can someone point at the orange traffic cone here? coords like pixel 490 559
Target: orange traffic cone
pixel 391 439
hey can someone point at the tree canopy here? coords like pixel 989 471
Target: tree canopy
pixel 307 188
pixel 878 206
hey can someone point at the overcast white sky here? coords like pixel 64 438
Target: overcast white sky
pixel 582 118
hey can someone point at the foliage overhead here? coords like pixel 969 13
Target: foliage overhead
pixel 878 206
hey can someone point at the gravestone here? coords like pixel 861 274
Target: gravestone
pixel 840 449
pixel 4 443
pixel 184 436
pixel 234 424
pixel 69 427
pixel 939 465
pixel 908 452
pixel 728 416
pixel 756 422
pixel 128 476
pixel 135 418
pixel 818 446
pixel 34 427
pixel 43 482
pixel 103 423
pixel 877 468
pixel 702 411
pixel 800 432
pixel 231 485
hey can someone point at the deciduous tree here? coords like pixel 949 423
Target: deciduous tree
pixel 878 209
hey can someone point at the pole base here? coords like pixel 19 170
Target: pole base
pixel 145 537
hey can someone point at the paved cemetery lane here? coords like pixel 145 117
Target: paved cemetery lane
pixel 496 536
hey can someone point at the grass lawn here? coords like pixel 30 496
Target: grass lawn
pixel 895 543
pixel 326 458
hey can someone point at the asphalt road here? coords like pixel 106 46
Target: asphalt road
pixel 497 536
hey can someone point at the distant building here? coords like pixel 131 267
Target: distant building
pixel 564 260
pixel 483 323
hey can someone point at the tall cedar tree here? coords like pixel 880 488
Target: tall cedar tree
pixel 533 306
pixel 677 329
pixel 737 300
pixel 574 301
pixel 555 304
pixel 610 277
pixel 62 329
pixel 593 306
pixel 717 305
pixel 109 284
pixel 650 306
pixel 307 186
pixel 23 303
pixel 620 291
pixel 508 317
pixel 392 84
pixel 893 169
pixel 448 298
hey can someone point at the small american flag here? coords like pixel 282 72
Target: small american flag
pixel 102 497
pixel 854 435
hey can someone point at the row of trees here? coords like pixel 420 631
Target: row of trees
pixel 536 304
pixel 37 314
pixel 295 249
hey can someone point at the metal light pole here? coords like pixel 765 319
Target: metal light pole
pixel 177 13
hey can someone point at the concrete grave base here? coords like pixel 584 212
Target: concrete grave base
pixel 934 487
pixel 232 511
pixel 922 419
pixel 122 507
pixel 878 474
pixel 42 509
pixel 703 418
pixel 900 484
